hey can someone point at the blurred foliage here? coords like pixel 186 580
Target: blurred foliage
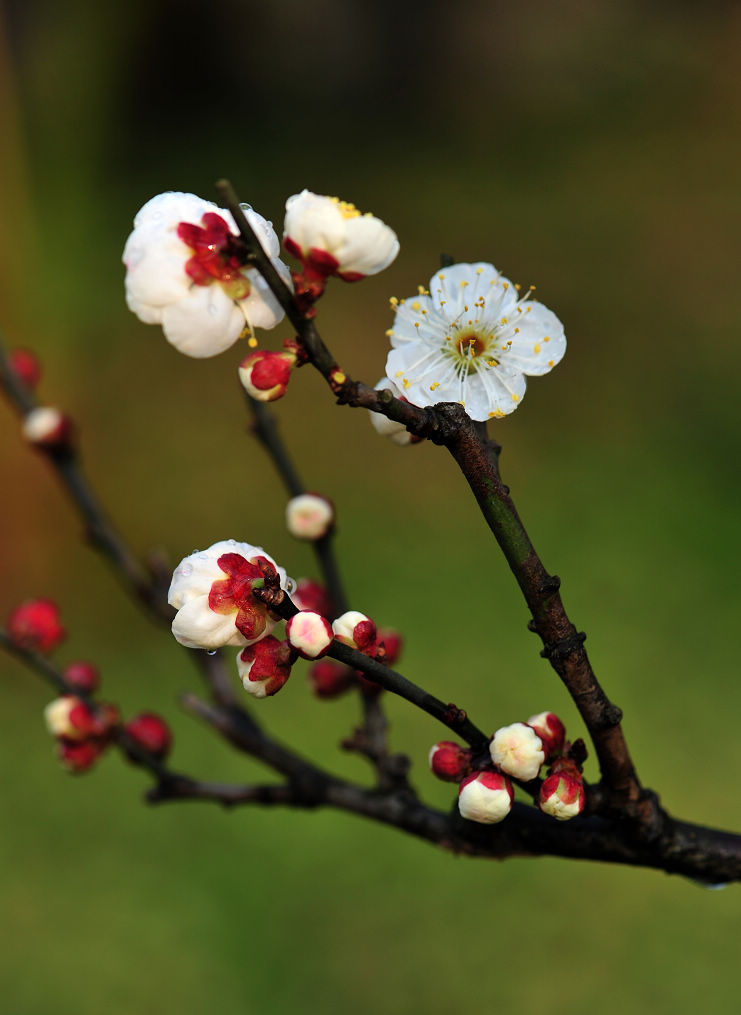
pixel 590 147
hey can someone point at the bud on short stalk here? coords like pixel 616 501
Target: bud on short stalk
pixel 391 642
pixel 485 797
pixel 449 761
pixel 71 718
pixel 329 679
pixel 356 630
pixel 309 634
pixel 310 595
pixel 151 733
pixel 518 751
pixel 79 756
pixel 82 676
pixel 26 366
pixel 35 625
pixel 562 792
pixel 46 427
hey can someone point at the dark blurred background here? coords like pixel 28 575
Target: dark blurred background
pixel 590 148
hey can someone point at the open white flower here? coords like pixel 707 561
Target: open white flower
pixel 183 272
pixel 472 339
pixel 333 238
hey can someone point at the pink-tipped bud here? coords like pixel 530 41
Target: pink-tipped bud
pixel 309 634
pixel 356 630
pixel 329 679
pixel 26 366
pixel 82 676
pixel 562 794
pixel 150 732
pixel 392 643
pixel 79 756
pixel 310 595
pixel 35 625
pixel 309 516
pixel 265 375
pixel 485 797
pixel 71 718
pixel 265 666
pixel 518 751
pixel 46 427
pixel 551 731
pixel 449 761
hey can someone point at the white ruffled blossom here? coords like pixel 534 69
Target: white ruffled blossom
pixel 201 318
pixel 517 750
pixel 472 339
pixel 212 592
pixel 333 237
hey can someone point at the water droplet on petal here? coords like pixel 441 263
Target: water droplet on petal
pixel 290 586
pixel 213 310
pixel 186 569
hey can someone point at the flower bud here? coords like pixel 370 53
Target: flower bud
pixel 46 427
pixel 562 795
pixel 485 797
pixel 35 625
pixel 310 595
pixel 82 676
pixel 309 516
pixel 518 751
pixel 355 629
pixel 551 731
pixel 449 761
pixel 71 718
pixel 265 375
pixel 329 679
pixel 79 756
pixel 309 634
pixel 265 666
pixel 150 732
pixel 392 643
pixel 26 366
pixel 212 592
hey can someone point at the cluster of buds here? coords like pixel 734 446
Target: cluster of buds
pixel 517 751
pixel 82 731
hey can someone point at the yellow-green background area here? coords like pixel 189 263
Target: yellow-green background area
pixel 591 148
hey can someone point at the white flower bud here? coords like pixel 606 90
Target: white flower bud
pixel 309 634
pixel 309 516
pixel 518 751
pixel 354 629
pixel 485 797
pixel 46 426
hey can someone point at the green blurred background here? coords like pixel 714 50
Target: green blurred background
pixel 590 148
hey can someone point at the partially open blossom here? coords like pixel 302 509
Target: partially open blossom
pixel 356 630
pixel 72 718
pixel 518 751
pixel 185 270
pixel 265 375
pixel 309 516
pixel 329 679
pixel 212 592
pixel 26 366
pixel 396 432
pixel 551 731
pixel 310 595
pixel 449 761
pixel 485 797
pixel 47 427
pixel 35 625
pixel 309 634
pixel 79 755
pixel 562 794
pixel 150 732
pixel 82 676
pixel 471 338
pixel 331 237
pixel 265 666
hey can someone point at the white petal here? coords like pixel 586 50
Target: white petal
pixel 313 220
pixel 158 277
pixel 538 344
pixel 204 323
pixel 369 246
pixel 166 211
pixel 197 626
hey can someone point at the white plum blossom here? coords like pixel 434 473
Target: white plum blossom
pixel 183 272
pixel 212 592
pixel 485 797
pixel 471 339
pixel 517 750
pixel 333 238
pixel 309 516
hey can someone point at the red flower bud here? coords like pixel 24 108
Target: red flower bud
pixel 26 366
pixel 392 644
pixel 150 732
pixel 329 679
pixel 551 731
pixel 265 375
pixel 310 595
pixel 35 625
pixel 449 761
pixel 82 676
pixel 79 756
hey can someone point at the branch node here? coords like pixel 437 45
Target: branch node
pixel 550 585
pixel 555 651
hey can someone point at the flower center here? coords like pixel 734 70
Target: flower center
pixel 218 256
pixel 470 345
pixel 467 347
pixel 347 210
